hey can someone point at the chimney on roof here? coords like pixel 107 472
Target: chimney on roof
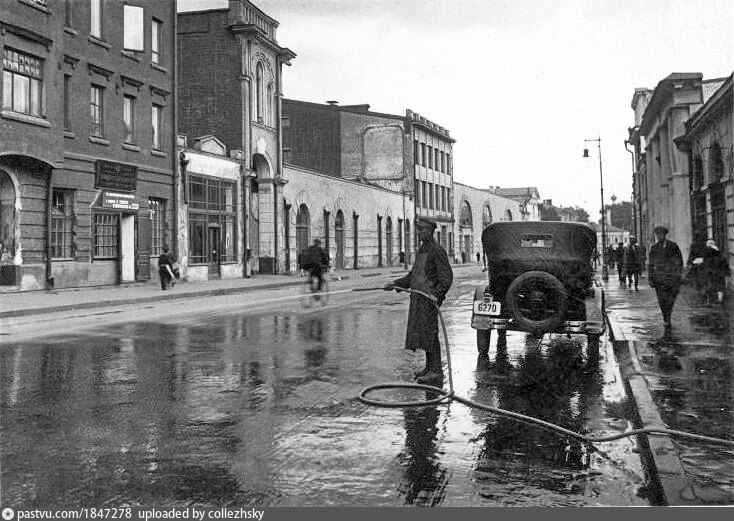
pixel 333 103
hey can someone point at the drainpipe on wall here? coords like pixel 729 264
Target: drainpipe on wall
pixel 245 135
pixel 278 120
pixel 174 138
pixel 49 252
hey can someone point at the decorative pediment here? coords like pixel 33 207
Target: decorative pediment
pixel 127 81
pixel 158 91
pixel 211 145
pixel 96 69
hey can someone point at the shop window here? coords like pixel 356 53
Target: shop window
pixel 105 232
pixel 22 82
pixel 7 217
pixel 157 208
pixel 96 105
pixel 62 224
pixel 212 202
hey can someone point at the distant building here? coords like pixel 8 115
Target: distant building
pixel 349 182
pixel 87 142
pixel 527 196
pixel 550 212
pixel 230 85
pixel 615 236
pixel 434 179
pixel 477 208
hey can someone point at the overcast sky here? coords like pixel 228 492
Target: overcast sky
pixel 519 83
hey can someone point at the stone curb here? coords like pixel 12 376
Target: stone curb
pixel 660 457
pixel 187 293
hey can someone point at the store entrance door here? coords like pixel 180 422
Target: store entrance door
pixel 215 243
pixel 127 247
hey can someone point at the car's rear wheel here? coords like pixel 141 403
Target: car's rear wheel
pixel 537 302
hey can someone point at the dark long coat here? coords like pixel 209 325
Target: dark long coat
pixel 665 265
pixel 432 274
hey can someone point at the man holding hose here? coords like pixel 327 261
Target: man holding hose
pixel 431 274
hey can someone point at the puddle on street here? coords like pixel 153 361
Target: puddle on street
pixel 262 410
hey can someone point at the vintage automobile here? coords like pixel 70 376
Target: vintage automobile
pixel 541 281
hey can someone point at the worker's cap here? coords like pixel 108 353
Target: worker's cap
pixel 660 229
pixel 426 223
pixel 633 238
pixel 317 241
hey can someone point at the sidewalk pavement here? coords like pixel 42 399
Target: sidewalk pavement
pixel 685 382
pixel 48 301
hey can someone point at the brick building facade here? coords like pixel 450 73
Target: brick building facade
pixel 87 154
pixel 373 151
pixel 230 86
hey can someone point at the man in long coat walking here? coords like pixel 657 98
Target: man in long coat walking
pixel 431 274
pixel 665 267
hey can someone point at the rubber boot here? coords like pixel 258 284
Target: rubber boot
pixel 434 376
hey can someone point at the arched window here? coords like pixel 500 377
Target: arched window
pixel 270 118
pixel 717 163
pixel 465 218
pixel 303 224
pixel 259 91
pixel 339 239
pixel 697 172
pixel 486 216
pixel 7 217
pixel 508 215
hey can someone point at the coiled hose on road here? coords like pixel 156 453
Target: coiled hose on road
pixel 448 395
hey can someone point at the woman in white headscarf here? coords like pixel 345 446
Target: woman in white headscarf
pixel 716 270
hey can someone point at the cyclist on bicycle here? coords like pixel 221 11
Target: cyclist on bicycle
pixel 315 261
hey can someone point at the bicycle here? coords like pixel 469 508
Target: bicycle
pixel 309 288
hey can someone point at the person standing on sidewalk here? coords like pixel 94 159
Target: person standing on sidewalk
pixel 633 261
pixel 431 274
pixel 664 271
pixel 165 268
pixel 715 272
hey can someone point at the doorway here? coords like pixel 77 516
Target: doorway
pixel 215 243
pixel 127 247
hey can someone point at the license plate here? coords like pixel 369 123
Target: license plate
pixel 486 308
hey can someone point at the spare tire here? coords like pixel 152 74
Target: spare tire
pixel 537 302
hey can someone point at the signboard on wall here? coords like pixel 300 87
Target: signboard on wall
pixel 115 176
pixel 119 201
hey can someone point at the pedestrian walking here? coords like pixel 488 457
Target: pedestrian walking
pixel 165 269
pixel 431 274
pixel 633 261
pixel 619 261
pixel 463 257
pixel 665 266
pixel 715 272
pixel 401 257
pixel 479 258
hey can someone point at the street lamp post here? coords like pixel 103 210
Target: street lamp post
pixel 604 268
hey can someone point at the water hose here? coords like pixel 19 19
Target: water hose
pixel 448 395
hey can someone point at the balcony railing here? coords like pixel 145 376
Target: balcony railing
pixel 251 15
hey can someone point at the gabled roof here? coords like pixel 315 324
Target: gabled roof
pixel 721 99
pixel 662 93
pixel 522 191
